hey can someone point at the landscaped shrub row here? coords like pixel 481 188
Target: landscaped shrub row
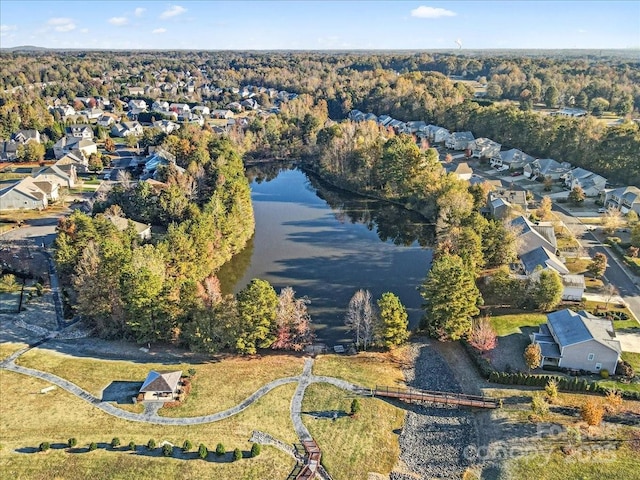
pixel 619 249
pixel 612 314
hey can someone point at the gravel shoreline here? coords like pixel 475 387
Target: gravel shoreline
pixel 434 440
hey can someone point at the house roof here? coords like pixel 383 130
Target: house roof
pixel 161 382
pixel 570 328
pixel 122 224
pixel 463 168
pixel 516 156
pixel 575 281
pixel 543 258
pixel 530 237
pixel 547 166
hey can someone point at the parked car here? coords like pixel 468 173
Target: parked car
pixel 602 210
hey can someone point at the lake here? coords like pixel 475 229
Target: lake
pixel 326 244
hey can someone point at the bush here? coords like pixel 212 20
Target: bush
pixel 167 450
pixel 115 442
pixel 72 442
pixel 604 373
pixel 202 451
pixel 192 372
pixel 255 450
pixel 44 446
pixel 132 446
pixel 220 450
pixel 237 454
pixel 187 445
pixel 355 406
pixel 551 389
pixel 592 412
pixel 93 446
pixel 151 444
pixel 625 369
pixel 539 405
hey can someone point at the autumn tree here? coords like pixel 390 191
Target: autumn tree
pixel 293 323
pixel 612 220
pixel 109 145
pixel 592 412
pixel 598 265
pixel 533 356
pixel 30 152
pixel 394 323
pixel 95 163
pixel 451 298
pixel 361 318
pixel 544 210
pixel 576 195
pixel 483 336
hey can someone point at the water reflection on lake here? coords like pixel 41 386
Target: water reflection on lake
pixel 326 244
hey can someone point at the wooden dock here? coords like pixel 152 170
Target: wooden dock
pixel 312 460
pixel 427 396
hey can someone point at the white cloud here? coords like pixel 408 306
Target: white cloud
pixel 62 24
pixel 84 30
pixel 431 12
pixel 118 21
pixel 582 30
pixel 139 11
pixel 159 30
pixel 173 11
pixel 8 28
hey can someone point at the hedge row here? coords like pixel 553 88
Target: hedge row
pixel 618 249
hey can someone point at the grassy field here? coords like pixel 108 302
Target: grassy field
pixel 33 418
pixel 633 359
pixel 7 349
pixel 353 446
pixel 217 386
pixel 367 368
pixel 509 324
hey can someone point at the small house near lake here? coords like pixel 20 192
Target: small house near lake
pixel 578 341
pixel 161 386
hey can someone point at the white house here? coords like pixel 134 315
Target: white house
pixel 201 110
pixel 511 160
pixel 23 195
pixel 484 148
pixel 624 199
pixel 459 140
pixel 591 183
pixel 546 168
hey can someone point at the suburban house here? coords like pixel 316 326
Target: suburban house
pixel 578 341
pixel 221 114
pixel 502 203
pixel 26 136
pixel 591 183
pixel 136 91
pixel 459 140
pixel 533 235
pixel 478 180
pixel 157 158
pixel 79 163
pixel 80 131
pixel 142 229
pixel 24 194
pixel 59 175
pixel 546 167
pixel 161 387
pixel 180 108
pixel 513 159
pixel 541 258
pixel 570 112
pixel 160 106
pixel 166 126
pixel 137 107
pixel 106 120
pixel 624 199
pixel 8 151
pixel 126 129
pixel 91 113
pixel 201 110
pixel 462 170
pixel 484 148
pixel 437 134
pixel 250 104
pixel 78 146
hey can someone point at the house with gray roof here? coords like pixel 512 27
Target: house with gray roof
pixel 437 134
pixel 532 235
pixel 591 183
pixel 546 167
pixel 459 140
pixel 541 258
pixel 513 159
pixel 62 175
pixel 161 386
pixel 23 195
pixel 624 199
pixel 484 148
pixel 26 136
pixel 502 203
pixel 578 341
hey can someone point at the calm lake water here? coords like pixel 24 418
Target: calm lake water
pixel 327 244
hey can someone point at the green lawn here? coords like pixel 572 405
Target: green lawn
pixel 509 324
pixel 633 359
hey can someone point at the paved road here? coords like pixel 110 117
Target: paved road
pixel 39 231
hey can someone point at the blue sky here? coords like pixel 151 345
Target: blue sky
pixel 320 25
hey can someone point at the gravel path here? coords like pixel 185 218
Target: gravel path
pixel 434 440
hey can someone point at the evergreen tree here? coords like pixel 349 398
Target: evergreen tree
pixel 257 304
pixel 451 298
pixel 393 321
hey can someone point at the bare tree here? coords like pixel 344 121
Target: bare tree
pixel 293 323
pixel 609 292
pixel 612 220
pixel 124 178
pixel 361 318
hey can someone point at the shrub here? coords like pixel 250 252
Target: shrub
pixel 151 444
pixel 132 446
pixel 72 442
pixel 44 446
pixel 192 372
pixel 604 373
pixel 551 389
pixel 625 369
pixel 167 450
pixel 93 446
pixel 355 406
pixel 115 442
pixel 255 450
pixel 202 451
pixel 539 405
pixel 220 450
pixel 614 401
pixel 237 454
pixel 187 445
pixel 592 412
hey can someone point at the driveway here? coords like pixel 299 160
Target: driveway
pixel 630 342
